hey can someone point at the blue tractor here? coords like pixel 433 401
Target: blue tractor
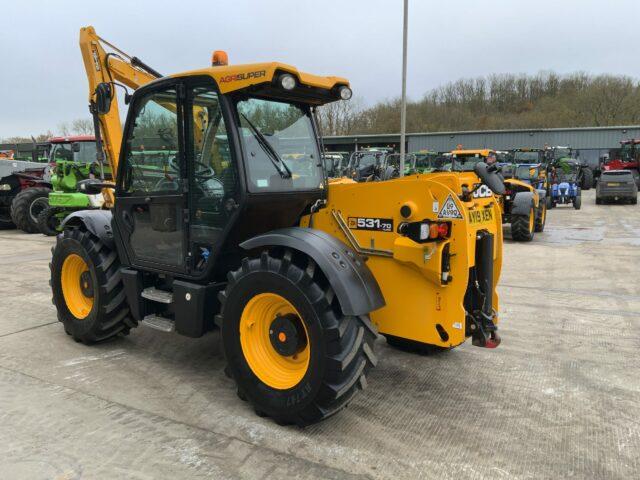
pixel 565 188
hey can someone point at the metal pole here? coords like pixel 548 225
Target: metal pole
pixel 403 114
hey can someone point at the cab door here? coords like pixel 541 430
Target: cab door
pixel 151 208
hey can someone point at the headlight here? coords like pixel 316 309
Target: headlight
pixel 288 81
pixel 345 93
pixel 5 187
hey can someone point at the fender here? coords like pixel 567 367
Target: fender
pixel 541 193
pixel 98 222
pixel 354 284
pixel 522 203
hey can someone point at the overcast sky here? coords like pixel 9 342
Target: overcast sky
pixel 43 81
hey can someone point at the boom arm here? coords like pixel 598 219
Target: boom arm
pixel 109 68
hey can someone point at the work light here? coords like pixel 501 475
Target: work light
pixel 345 92
pixel 288 81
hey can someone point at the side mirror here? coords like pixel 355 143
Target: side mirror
pixel 490 176
pixel 75 147
pixel 92 186
pixel 104 95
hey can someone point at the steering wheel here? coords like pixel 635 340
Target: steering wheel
pixel 203 172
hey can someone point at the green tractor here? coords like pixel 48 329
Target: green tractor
pixel 74 159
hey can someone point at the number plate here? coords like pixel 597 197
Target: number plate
pixel 368 223
pixel 613 184
pixel 480 216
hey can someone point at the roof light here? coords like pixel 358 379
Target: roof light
pixel 288 81
pixel 345 92
pixel 219 58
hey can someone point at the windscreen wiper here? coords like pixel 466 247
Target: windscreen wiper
pixel 277 162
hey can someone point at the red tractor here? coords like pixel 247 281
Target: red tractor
pixel 628 158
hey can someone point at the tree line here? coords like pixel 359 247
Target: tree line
pixel 506 101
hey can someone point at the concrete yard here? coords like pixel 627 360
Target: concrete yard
pixel 558 399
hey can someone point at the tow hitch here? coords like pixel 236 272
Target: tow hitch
pixel 484 331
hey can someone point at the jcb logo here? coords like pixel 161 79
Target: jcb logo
pixel 482 192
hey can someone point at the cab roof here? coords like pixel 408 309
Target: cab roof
pixel 483 152
pixel 230 78
pixel 73 138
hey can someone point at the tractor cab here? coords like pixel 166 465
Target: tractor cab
pixel 367 165
pixel 534 174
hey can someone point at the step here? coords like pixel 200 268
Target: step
pixel 156 295
pixel 159 323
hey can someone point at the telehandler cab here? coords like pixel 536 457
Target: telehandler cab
pixel 230 222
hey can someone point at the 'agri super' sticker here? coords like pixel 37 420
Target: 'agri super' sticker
pixel 368 223
pixel 449 209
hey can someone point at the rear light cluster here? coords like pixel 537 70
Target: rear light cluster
pixel 425 231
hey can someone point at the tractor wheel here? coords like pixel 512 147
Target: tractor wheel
pixel 412 346
pixel 541 217
pixel 291 351
pixel 587 178
pixel 577 202
pixel 598 201
pixel 49 222
pixel 87 290
pixel 523 226
pixel 27 206
pixel 5 220
pixel 634 201
pixel 548 202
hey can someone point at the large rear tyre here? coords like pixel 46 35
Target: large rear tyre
pixel 587 178
pixel 49 222
pixel 523 226
pixel 291 351
pixel 541 217
pixel 87 290
pixel 598 201
pixel 27 206
pixel 411 346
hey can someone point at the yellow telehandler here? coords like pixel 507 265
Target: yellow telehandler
pixel 221 217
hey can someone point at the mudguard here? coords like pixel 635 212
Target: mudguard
pixel 541 193
pixel 98 222
pixel 522 203
pixel 352 281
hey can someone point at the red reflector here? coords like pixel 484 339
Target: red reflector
pixel 443 230
pixel 433 230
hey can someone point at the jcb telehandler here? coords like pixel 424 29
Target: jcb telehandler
pixel 523 205
pixel 236 227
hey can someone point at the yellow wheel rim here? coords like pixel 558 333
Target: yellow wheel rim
pixel 532 219
pixel 258 340
pixel 76 286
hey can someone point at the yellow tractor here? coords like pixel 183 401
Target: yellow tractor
pixel 523 206
pixel 221 217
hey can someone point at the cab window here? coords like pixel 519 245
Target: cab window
pixel 152 148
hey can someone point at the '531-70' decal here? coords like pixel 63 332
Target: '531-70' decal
pixel 369 223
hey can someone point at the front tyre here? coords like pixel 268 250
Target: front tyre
pixel 49 221
pixel 541 217
pixel 86 286
pixel 291 351
pixel 523 226
pixel 26 207
pixel 577 202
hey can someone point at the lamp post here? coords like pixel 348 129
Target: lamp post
pixel 403 107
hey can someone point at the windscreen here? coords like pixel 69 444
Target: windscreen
pixel 280 147
pixel 619 176
pixel 525 157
